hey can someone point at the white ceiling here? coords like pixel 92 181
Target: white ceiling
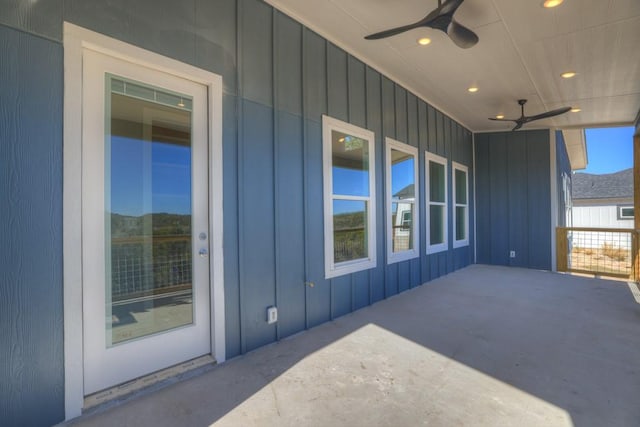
pixel 523 49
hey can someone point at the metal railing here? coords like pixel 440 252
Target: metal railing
pixel 599 251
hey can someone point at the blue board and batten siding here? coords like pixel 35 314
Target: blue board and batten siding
pixel 31 328
pixel 279 78
pixel 288 77
pixel 563 167
pixel 513 190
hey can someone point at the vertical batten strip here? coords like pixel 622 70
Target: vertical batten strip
pixel 422 167
pixel 275 145
pixel 370 272
pixel 349 91
pixel 553 191
pixel 475 222
pixel 240 173
pixel 305 171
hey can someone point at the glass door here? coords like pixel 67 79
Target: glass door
pixel 145 221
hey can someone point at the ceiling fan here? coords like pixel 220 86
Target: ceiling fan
pixel 441 19
pixel 526 119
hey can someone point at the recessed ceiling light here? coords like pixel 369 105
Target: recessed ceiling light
pixel 568 74
pixel 575 110
pixel 552 3
pixel 424 41
pixel 473 89
pixel 500 116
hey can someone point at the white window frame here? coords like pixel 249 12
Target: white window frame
pixel 464 242
pixel 76 41
pixel 621 216
pixel 393 257
pixel 439 247
pixel 333 269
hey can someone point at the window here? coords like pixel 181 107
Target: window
pixel 402 207
pixel 436 184
pixel 625 212
pixel 349 198
pixel 406 220
pixel 461 200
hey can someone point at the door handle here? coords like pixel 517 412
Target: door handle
pixel 203 253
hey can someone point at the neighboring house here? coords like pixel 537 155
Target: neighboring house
pixel 173 171
pixel 402 217
pixel 603 201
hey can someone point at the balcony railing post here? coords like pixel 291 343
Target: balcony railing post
pixel 635 259
pixel 562 249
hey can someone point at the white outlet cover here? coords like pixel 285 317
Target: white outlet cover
pixel 272 315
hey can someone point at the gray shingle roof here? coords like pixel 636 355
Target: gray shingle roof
pixel 605 186
pixel 406 192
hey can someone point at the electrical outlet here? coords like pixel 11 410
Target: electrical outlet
pixel 512 254
pixel 272 315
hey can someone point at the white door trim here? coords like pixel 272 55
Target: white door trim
pixel 76 40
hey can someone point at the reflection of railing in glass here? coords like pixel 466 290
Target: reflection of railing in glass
pixel 138 273
pixel 349 231
pixel 402 230
pixel 349 244
pixel 402 238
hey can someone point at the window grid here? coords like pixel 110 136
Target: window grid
pixel 461 207
pixel 430 159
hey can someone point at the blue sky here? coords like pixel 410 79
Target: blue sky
pixel 170 177
pixel 609 149
pixel 356 183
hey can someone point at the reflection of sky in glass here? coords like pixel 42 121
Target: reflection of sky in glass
pixel 402 174
pixel 350 165
pixel 350 182
pixel 170 177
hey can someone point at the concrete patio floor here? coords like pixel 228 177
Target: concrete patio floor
pixel 482 346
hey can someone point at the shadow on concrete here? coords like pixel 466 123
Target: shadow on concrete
pixel 480 336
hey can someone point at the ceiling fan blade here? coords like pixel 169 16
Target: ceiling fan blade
pixel 549 114
pixel 393 31
pixel 524 119
pixel 461 35
pixel 449 7
pixel 503 120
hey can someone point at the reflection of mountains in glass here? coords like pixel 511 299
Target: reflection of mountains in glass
pixel 162 224
pixel 349 221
